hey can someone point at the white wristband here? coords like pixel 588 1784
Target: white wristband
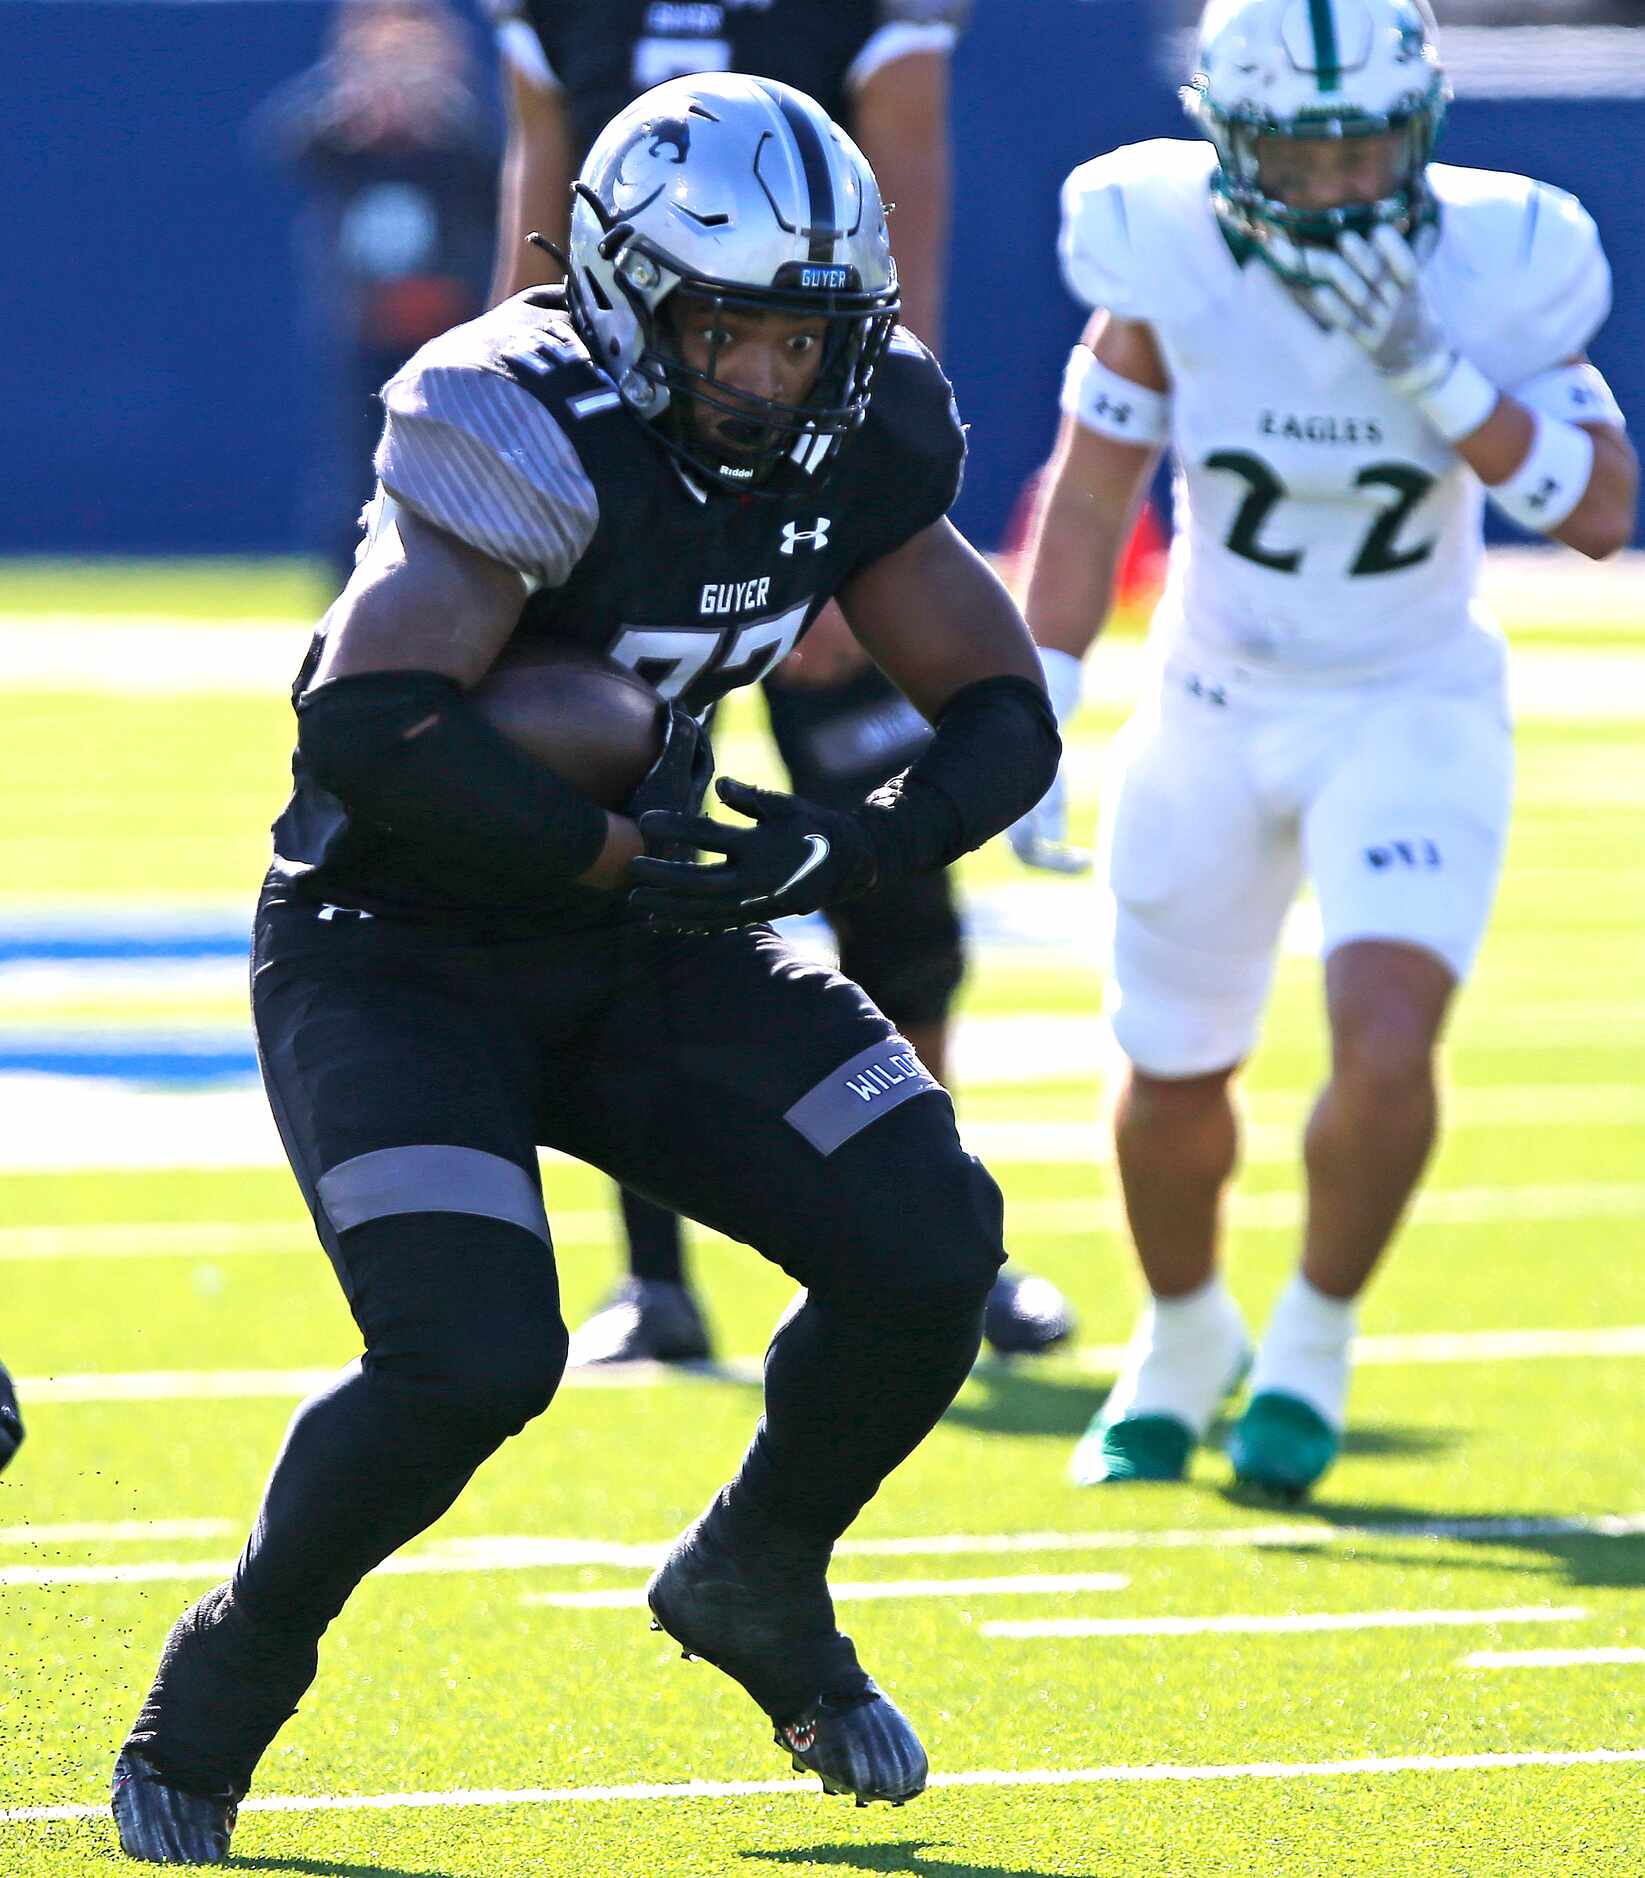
pixel 1101 400
pixel 1578 393
pixel 1063 673
pixel 1459 401
pixel 1553 478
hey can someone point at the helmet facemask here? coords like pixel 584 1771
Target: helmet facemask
pixel 1251 212
pixel 734 437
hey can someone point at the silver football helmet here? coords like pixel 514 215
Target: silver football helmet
pixel 1316 69
pixel 743 193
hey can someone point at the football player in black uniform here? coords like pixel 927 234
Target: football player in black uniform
pixel 879 67
pixel 11 1422
pixel 460 956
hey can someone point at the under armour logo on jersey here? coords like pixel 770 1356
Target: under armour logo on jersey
pixel 1549 486
pixel 793 535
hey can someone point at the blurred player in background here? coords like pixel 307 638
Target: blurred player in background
pixel 1349 351
pixel 450 970
pixel 11 1422
pixel 880 68
pixel 397 156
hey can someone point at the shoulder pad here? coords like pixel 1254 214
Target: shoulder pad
pixel 1526 265
pixel 908 460
pixel 1131 222
pixel 473 443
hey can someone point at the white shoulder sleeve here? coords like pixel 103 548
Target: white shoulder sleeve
pixel 1129 221
pixel 1568 275
pixel 1534 280
pixel 471 451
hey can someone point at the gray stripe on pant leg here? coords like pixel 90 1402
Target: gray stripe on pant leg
pixel 859 1092
pixel 431 1179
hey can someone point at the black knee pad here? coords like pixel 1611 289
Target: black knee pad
pixel 934 1251
pixel 461 1310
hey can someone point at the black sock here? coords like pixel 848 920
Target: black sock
pixel 656 1240
pixel 848 1396
pixel 361 1472
pixel 461 1318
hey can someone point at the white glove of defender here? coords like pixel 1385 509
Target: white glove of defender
pixel 1040 838
pixel 1372 291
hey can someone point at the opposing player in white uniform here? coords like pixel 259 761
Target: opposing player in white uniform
pixel 1348 351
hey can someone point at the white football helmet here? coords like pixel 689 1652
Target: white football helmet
pixel 1316 69
pixel 743 192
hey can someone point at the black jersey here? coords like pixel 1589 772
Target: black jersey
pixel 504 433
pixel 605 52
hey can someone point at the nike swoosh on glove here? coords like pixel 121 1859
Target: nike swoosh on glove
pixel 795 858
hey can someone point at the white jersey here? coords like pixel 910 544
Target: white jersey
pixel 1323 527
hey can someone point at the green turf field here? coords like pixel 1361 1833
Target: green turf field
pixel 1342 1688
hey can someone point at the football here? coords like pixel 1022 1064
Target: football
pixel 587 718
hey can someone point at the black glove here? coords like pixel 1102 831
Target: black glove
pixel 678 780
pixel 796 858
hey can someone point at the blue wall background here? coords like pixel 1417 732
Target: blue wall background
pixel 154 393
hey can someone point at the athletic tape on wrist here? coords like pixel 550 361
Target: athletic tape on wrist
pixel 1063 673
pixel 1459 401
pixel 1102 401
pixel 1553 478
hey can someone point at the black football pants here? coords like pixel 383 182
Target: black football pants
pixel 413 1074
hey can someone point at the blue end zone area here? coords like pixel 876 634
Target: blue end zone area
pixel 65 942
pixel 1049 921
pixel 141 1060
pixel 150 941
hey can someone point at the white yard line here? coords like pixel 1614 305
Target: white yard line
pixel 1449 1206
pixel 983 1777
pixel 1252 1625
pixel 1549 1659
pixel 133 654
pixel 1439 1346
pixel 114 1532
pixel 522 1552
pixel 212 1385
pixel 221 1385
pixel 1024 1584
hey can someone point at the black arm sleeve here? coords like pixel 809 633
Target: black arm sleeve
pixel 406 750
pixel 994 755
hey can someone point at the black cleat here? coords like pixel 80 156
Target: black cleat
pixel 864 1747
pixel 165 1825
pixel 768 1623
pixel 644 1320
pixel 11 1423
pixel 1025 1315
